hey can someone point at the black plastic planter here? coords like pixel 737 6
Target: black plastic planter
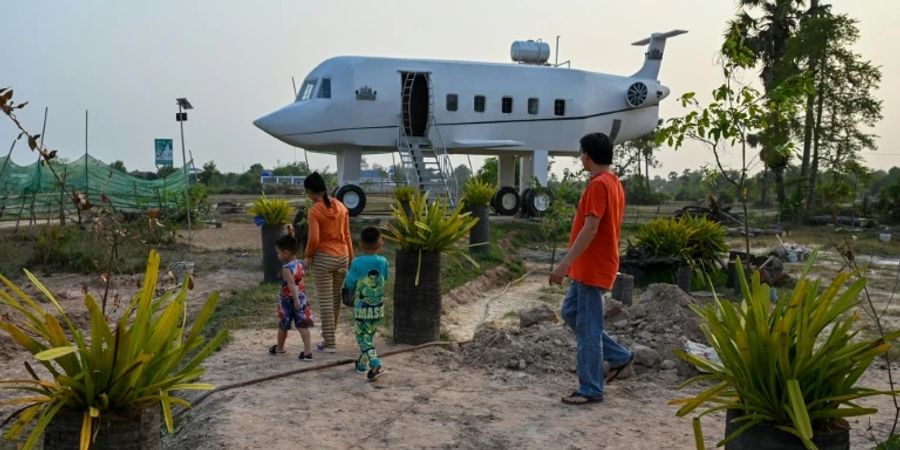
pixel 270 262
pixel 137 430
pixel 481 232
pixel 767 437
pixel 417 309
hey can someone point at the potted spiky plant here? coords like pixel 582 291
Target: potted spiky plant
pixel 477 196
pixel 788 373
pixel 106 385
pixel 271 214
pixel 432 230
pixel 404 196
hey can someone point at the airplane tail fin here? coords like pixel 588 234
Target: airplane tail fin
pixel 653 57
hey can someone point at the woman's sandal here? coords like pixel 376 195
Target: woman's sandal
pixel 274 350
pixel 579 399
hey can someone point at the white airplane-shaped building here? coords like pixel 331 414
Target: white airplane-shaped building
pixel 427 109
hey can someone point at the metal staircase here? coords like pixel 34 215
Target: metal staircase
pixel 424 158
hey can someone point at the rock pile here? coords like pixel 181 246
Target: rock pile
pixel 660 322
pixel 542 348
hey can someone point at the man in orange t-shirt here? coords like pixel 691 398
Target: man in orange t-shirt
pixel 591 263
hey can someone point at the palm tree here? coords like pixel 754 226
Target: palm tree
pixel 767 35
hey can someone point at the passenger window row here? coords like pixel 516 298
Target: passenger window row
pixel 506 105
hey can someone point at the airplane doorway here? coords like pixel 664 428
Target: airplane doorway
pixel 415 102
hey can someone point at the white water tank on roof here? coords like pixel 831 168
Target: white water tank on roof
pixel 530 52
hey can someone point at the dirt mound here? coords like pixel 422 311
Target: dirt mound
pixel 660 322
pixel 539 349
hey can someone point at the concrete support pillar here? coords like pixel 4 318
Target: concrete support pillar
pixel 526 172
pixel 506 171
pixel 541 166
pixel 348 166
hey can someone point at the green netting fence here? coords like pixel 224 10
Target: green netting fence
pixel 32 192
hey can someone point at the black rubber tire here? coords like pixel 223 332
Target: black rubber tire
pixel 502 209
pixel 354 190
pixel 530 205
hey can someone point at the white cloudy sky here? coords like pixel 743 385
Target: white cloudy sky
pixel 126 62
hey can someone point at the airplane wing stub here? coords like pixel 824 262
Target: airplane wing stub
pixel 486 143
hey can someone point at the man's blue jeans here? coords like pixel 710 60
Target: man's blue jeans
pixel 582 310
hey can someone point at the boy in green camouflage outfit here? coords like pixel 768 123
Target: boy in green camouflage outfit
pixel 365 284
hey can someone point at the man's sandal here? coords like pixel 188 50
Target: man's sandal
pixel 576 398
pixel 614 372
pixel 274 350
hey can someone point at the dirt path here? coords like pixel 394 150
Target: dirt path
pixel 433 398
pixel 495 304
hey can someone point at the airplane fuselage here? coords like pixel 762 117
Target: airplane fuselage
pixel 479 108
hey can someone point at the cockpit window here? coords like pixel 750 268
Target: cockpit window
pixel 306 90
pixel 325 88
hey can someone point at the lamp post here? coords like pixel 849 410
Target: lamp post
pixel 181 117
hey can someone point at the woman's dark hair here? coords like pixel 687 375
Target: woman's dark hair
pixel 288 243
pixel 598 147
pixel 315 183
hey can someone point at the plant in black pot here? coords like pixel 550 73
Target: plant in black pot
pixel 788 372
pixel 431 231
pixel 476 198
pixel 108 383
pixel 271 214
pixel 665 244
pixel 404 196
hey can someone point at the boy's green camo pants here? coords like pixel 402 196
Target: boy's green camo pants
pixel 365 337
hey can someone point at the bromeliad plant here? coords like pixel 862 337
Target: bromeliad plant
pixel 404 194
pixel 696 241
pixel 431 228
pixel 145 358
pixel 477 192
pixel 272 211
pixel 793 366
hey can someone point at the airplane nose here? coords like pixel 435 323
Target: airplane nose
pixel 271 123
pixel 662 93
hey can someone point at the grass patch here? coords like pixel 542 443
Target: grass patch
pixel 251 308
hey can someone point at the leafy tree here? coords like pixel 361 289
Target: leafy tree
pixel 292 169
pixel 841 106
pixel 211 177
pixel 737 112
pixel 462 174
pixel 488 173
pixel 165 171
pixel 637 157
pixel 766 28
pixel 119 165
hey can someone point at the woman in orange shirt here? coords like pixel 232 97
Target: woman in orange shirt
pixel 328 254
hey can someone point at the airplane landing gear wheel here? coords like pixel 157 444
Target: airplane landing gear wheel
pixel 353 197
pixel 506 201
pixel 537 202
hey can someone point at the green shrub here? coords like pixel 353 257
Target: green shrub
pixel 67 248
pixel 200 206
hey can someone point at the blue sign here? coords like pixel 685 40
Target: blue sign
pixel 163 152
